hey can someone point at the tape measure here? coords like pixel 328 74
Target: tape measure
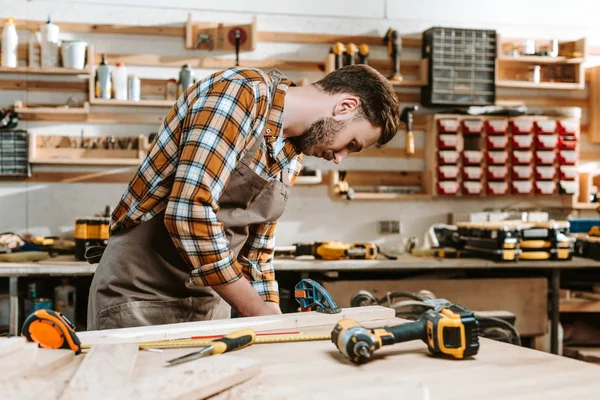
pixel 183 343
pixel 51 330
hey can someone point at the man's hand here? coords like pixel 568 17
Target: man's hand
pixel 242 297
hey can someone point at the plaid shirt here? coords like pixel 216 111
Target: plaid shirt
pixel 185 172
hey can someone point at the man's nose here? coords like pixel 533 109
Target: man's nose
pixel 339 157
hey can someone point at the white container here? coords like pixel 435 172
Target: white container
pixel 10 42
pixel 34 51
pixel 49 44
pixel 120 82
pixel 135 88
pixel 73 54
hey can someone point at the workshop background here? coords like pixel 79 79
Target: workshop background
pixel 46 209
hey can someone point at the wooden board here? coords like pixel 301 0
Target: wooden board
pixel 526 297
pixel 259 324
pixel 198 379
pixel 105 367
pixel 10 345
pixel 43 86
pixel 18 362
pixel 588 354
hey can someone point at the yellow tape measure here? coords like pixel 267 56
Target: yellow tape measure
pixel 183 343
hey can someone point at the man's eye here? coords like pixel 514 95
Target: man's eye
pixel 352 145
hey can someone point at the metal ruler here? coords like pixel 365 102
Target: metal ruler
pixel 183 343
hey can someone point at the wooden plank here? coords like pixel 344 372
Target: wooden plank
pixel 394 152
pixel 589 155
pixel 542 85
pixel 588 354
pixel 259 324
pixel 48 361
pixel 10 345
pixel 384 178
pixel 147 30
pixel 543 101
pixel 579 306
pixel 105 368
pixel 107 176
pixel 132 103
pixel 43 71
pixel 594 104
pixel 527 299
pixel 18 363
pixel 409 97
pixel 43 86
pixel 198 379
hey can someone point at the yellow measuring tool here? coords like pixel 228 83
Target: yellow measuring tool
pixel 183 343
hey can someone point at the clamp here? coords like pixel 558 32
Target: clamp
pixel 311 294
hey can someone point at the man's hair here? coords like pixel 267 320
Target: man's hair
pixel 378 100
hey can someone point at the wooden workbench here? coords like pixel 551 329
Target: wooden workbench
pixel 316 370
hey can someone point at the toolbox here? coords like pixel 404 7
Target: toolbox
pixel 90 232
pixel 456 77
pixel 546 241
pixel 14 153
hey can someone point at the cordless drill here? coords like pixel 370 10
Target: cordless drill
pixel 449 330
pixel 394 43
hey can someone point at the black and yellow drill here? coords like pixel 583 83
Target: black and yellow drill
pixel 337 250
pixel 449 330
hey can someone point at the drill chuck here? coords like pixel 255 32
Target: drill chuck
pixel 354 342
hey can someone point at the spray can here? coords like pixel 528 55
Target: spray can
pixel 10 42
pixel 134 88
pixel 49 44
pixel 103 80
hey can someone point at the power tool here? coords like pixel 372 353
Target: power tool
pixel 337 250
pixel 363 53
pixel 338 49
pixel 351 50
pixel 394 43
pixel 407 118
pixel 449 330
pixel 51 330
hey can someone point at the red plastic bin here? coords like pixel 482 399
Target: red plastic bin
pixel 567 142
pixel 448 187
pixel 472 126
pixel 448 125
pixel 472 173
pixel 522 187
pixel 472 157
pixel 448 157
pixel 497 157
pixel 522 171
pixel 497 142
pixel 497 188
pixel 520 157
pixel 546 142
pixel 521 126
pixel 567 172
pixel 567 187
pixel 448 141
pixel 522 141
pixel 545 187
pixel 568 127
pixel 567 157
pixel 448 172
pixel 472 187
pixel 545 126
pixel 545 157
pixel 496 172
pixel 545 172
pixel 496 126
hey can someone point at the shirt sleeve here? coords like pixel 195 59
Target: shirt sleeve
pixel 257 259
pixel 214 137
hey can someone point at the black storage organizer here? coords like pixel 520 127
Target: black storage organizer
pixel 14 153
pixel 462 67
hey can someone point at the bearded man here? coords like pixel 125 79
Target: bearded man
pixel 193 234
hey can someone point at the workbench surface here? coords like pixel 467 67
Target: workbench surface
pixel 68 266
pixel 316 370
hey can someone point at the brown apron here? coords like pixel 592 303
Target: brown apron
pixel 141 278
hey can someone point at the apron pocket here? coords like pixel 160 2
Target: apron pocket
pixel 144 313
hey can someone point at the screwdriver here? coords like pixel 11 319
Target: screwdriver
pixel 233 341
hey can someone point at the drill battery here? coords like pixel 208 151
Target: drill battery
pixel 90 232
pixel 546 241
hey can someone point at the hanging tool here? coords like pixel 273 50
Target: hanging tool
pixel 407 118
pixel 233 341
pixel 237 36
pixel 351 50
pixel 204 39
pixel 363 53
pixel 449 330
pixel 51 330
pixel 311 295
pixel 343 187
pixel 338 49
pixel 394 43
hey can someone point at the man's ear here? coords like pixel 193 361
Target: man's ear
pixel 347 104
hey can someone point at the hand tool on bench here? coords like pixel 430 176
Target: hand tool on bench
pixel 311 295
pixel 407 118
pixel 394 43
pixel 51 330
pixel 231 342
pixel 449 330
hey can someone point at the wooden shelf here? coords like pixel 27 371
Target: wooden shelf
pixel 141 103
pixel 44 71
pixel 391 196
pixel 406 83
pixel 541 85
pixel 58 112
pixel 86 161
pixel 579 305
pixel 541 60
pixel 585 206
pixel 388 152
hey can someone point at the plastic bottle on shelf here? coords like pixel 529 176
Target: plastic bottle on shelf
pixel 35 51
pixel 120 82
pixel 134 88
pixel 49 44
pixel 10 42
pixel 103 80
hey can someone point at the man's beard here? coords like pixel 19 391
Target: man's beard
pixel 321 133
